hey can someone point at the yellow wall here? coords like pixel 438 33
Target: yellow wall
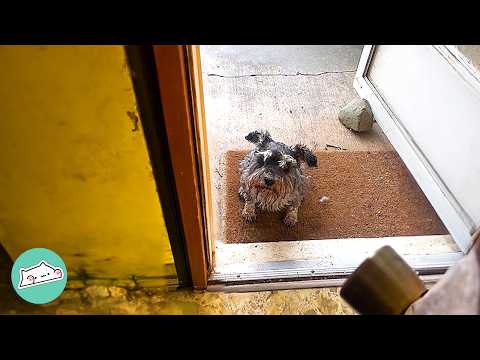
pixel 74 177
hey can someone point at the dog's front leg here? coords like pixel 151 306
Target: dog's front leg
pixel 291 216
pixel 248 212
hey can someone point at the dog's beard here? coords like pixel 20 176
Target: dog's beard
pixel 274 197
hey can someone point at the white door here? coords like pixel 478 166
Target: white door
pixel 427 101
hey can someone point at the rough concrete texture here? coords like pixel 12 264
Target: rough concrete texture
pixel 357 115
pixel 156 301
pixel 243 60
pixel 94 297
pixel 295 92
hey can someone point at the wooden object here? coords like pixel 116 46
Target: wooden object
pixel 383 284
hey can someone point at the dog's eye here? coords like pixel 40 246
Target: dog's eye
pixel 260 160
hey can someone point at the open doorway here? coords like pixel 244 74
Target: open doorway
pixel 385 186
pixel 296 93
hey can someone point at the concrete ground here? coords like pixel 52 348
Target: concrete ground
pixel 102 300
pixel 295 92
pixel 99 298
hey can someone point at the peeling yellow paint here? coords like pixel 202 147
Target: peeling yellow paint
pixel 74 177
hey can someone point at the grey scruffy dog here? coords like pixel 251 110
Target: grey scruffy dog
pixel 271 177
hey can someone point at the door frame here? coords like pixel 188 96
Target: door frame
pixel 179 81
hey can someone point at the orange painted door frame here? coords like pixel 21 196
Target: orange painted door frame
pixel 182 108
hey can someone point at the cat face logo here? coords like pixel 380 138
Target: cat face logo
pixel 39 274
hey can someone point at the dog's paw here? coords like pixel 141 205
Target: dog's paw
pixel 249 215
pixel 290 219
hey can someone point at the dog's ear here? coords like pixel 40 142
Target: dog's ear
pixel 303 153
pixel 259 137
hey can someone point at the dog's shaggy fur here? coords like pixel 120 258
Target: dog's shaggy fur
pixel 271 177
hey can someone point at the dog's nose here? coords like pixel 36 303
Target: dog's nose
pixel 268 181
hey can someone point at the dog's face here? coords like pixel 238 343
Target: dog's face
pixel 276 166
pixel 273 166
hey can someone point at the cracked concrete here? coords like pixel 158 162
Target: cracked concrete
pixel 279 59
pixel 297 74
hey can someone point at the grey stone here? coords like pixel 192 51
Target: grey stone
pixel 357 115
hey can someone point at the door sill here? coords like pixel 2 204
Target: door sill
pixel 331 268
pixel 258 285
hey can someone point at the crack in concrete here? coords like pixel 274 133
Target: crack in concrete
pixel 297 74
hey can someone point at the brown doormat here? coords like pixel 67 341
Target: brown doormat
pixel 371 194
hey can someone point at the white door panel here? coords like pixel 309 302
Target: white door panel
pixel 429 107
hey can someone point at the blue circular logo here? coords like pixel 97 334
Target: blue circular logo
pixel 39 276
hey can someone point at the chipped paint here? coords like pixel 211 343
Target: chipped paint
pixel 134 119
